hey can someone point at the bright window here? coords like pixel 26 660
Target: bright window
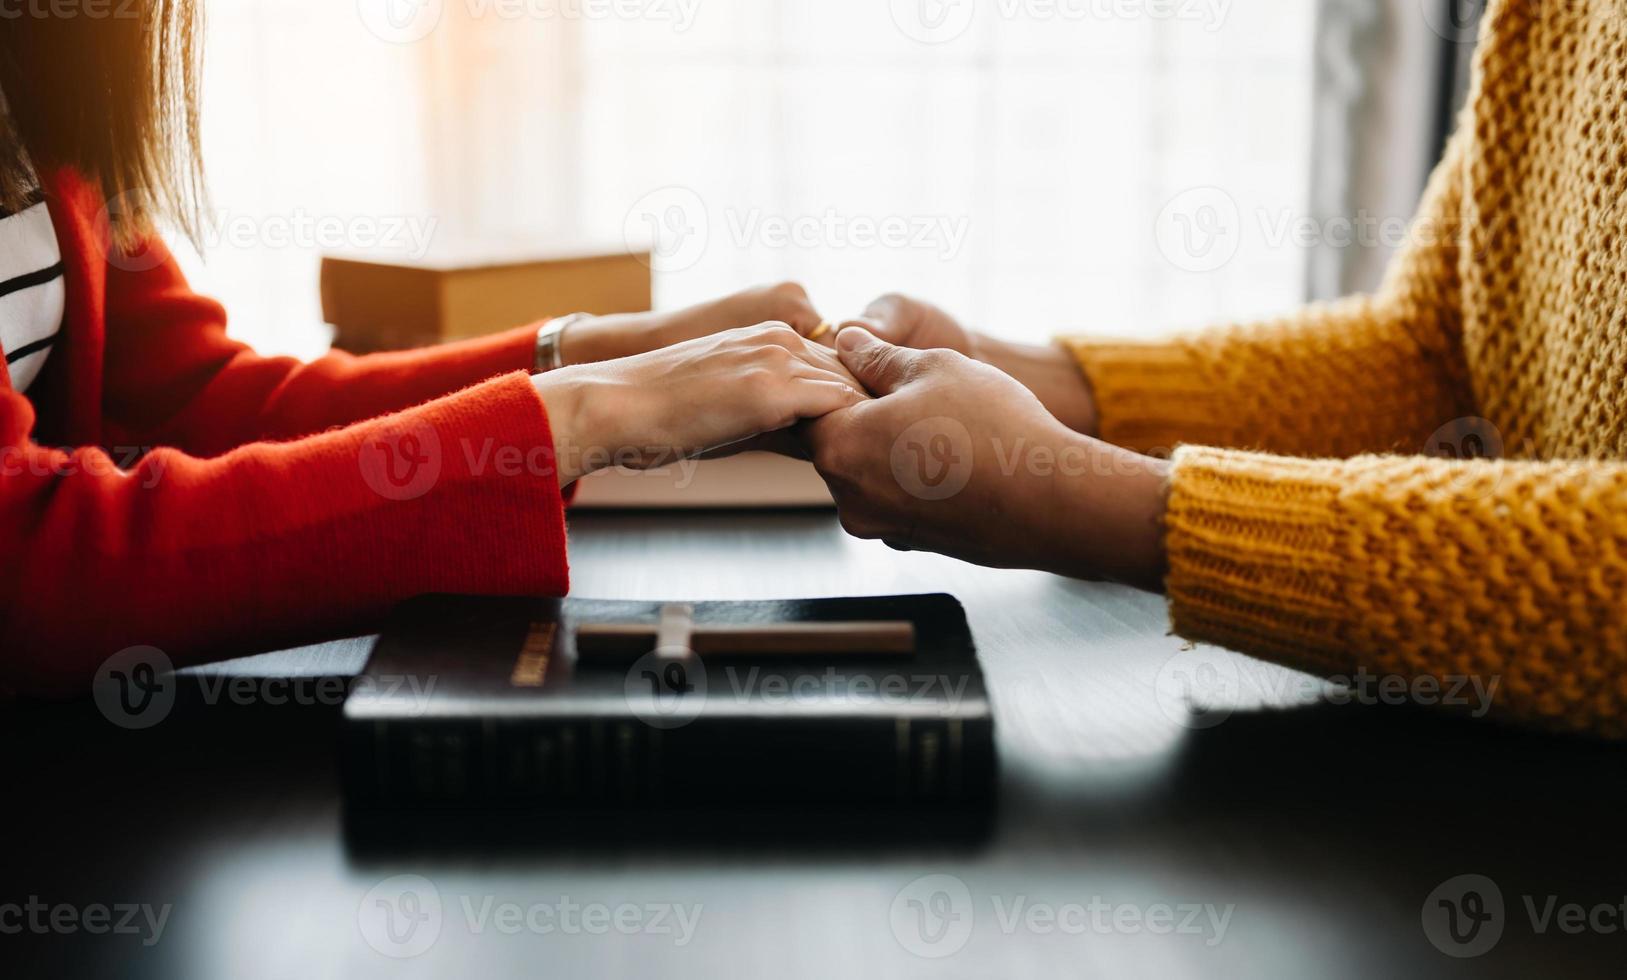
pixel 1125 166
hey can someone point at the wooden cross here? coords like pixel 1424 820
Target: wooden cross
pixel 676 635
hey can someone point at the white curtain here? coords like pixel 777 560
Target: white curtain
pixel 1110 165
pixel 1380 118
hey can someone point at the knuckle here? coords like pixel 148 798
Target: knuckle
pixel 762 378
pixel 775 357
pixel 739 336
pixel 936 360
pixel 777 333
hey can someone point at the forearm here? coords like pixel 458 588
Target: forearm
pixel 1340 379
pixel 228 395
pixel 1076 506
pixel 1048 371
pixel 1112 518
pixel 280 543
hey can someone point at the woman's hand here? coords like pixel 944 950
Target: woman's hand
pixel 956 457
pixel 1048 371
pixel 655 408
pixel 605 338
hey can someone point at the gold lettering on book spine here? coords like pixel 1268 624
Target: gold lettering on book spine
pixel 532 665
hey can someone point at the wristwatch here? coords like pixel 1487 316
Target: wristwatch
pixel 550 356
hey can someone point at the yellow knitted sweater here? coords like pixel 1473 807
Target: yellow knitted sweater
pixel 1313 530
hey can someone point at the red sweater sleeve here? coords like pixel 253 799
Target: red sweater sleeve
pixel 272 543
pixel 173 377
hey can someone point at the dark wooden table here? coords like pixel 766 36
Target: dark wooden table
pixel 1127 829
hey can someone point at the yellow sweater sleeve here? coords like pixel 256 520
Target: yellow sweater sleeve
pixel 1511 575
pixel 1508 573
pixel 1366 374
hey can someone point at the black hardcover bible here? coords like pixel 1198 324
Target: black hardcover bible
pixel 556 704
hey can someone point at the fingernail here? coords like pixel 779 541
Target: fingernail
pixel 854 338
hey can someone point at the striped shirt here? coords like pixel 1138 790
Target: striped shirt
pixel 31 291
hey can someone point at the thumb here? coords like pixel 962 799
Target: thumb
pixel 885 329
pixel 878 365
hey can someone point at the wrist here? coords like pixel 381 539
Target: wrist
pixel 589 339
pixel 592 339
pixel 1050 372
pixel 1111 504
pixel 566 399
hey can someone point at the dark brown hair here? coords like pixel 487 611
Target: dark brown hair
pixel 109 87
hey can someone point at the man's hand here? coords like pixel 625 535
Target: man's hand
pixel 956 457
pixel 605 338
pixel 1047 371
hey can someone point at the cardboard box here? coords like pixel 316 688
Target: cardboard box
pixel 378 303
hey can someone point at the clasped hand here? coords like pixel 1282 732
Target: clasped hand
pixel 968 447
pixel 957 457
